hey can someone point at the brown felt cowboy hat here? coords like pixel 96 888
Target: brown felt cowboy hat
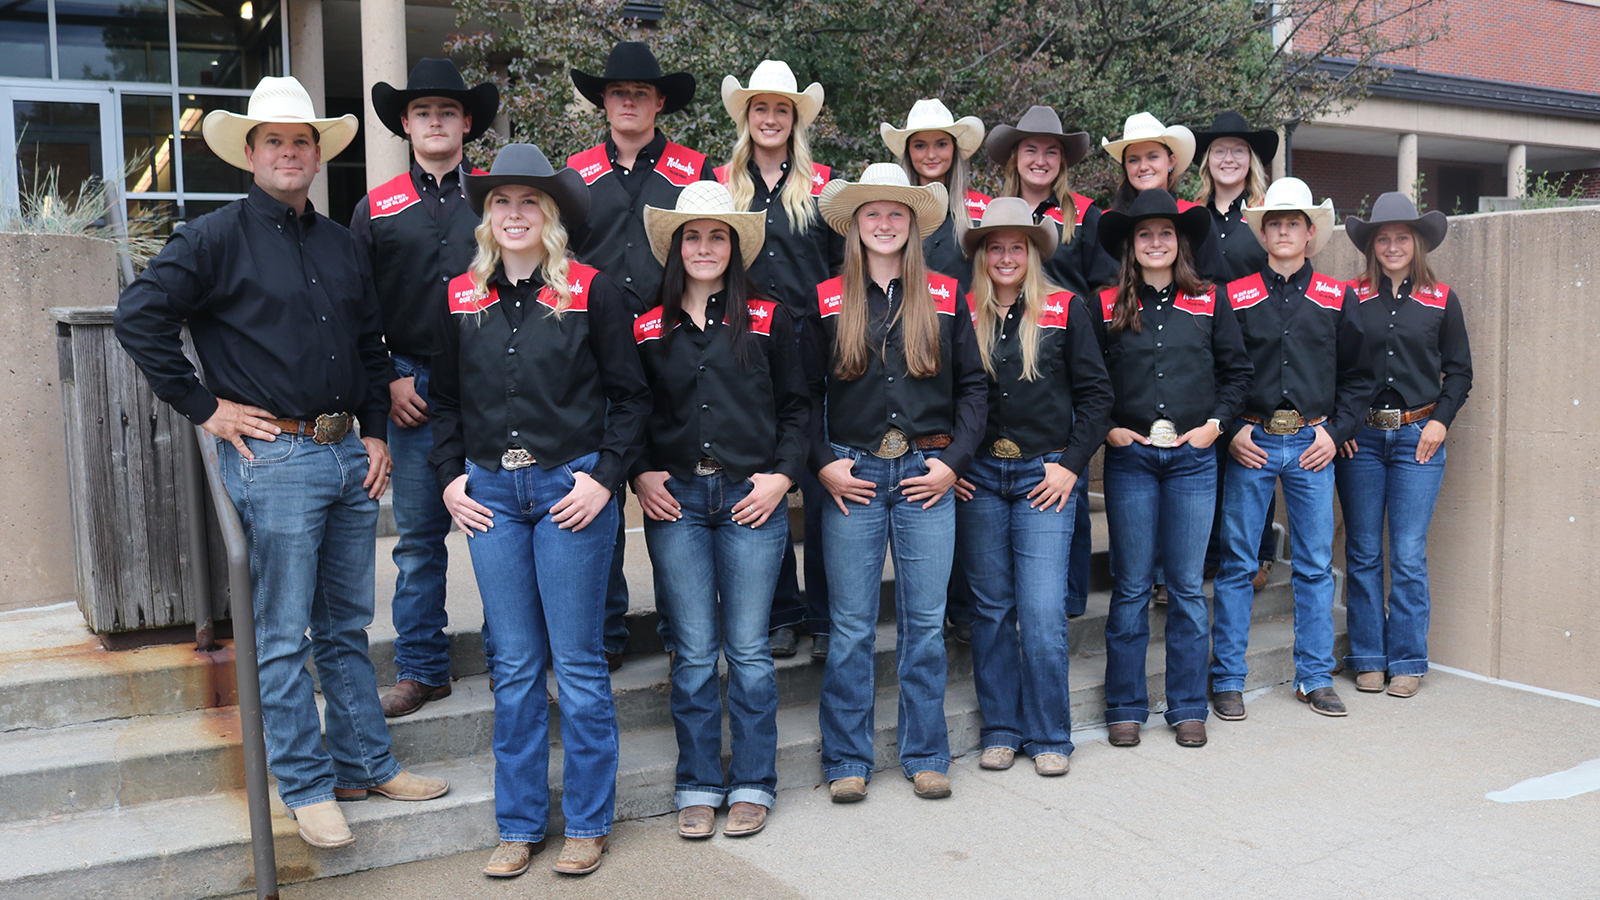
pixel 633 61
pixel 1397 208
pixel 436 78
pixel 1011 214
pixel 526 164
pixel 1038 121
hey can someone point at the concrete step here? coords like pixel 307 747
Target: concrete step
pixel 194 847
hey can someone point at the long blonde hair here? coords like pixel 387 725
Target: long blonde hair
pixel 1036 289
pixel 1255 184
pixel 917 315
pixel 955 184
pixel 796 195
pixel 1061 187
pixel 556 259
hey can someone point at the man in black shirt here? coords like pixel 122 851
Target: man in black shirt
pixel 280 305
pixel 417 232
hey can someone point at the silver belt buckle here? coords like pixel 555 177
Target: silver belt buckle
pixel 516 458
pixel 1285 422
pixel 893 446
pixel 707 466
pixel 1163 433
pixel 1385 419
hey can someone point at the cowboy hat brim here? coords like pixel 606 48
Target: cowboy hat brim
pixel 1321 217
pixel 481 103
pixel 661 224
pixel 1431 226
pixel 565 187
pixel 225 132
pixel 1004 138
pixel 841 199
pixel 676 87
pixel 1043 236
pixel 967 132
pixel 736 100
pixel 1193 223
pixel 1264 144
pixel 1177 138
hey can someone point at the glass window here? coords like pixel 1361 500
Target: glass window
pixel 228 43
pixel 204 171
pixel 25 39
pixel 150 156
pixel 113 40
pixel 58 147
pixel 149 217
pixel 194 209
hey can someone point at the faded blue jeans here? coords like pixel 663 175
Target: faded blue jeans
pixel 421 649
pixel 716 580
pixel 312 533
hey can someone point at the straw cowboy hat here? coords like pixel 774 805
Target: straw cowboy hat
pixel 1293 195
pixel 931 115
pixel 281 100
pixel 1038 121
pixel 1142 127
pixel 1263 142
pixel 773 76
pixel 526 164
pixel 705 200
pixel 633 61
pixel 1395 207
pixel 436 78
pixel 882 181
pixel 1011 214
pixel 1194 223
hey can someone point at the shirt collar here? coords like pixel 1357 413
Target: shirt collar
pixel 451 178
pixel 1148 292
pixel 270 208
pixel 534 280
pixel 651 152
pixel 1299 280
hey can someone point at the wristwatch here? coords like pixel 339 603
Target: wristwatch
pixel 1218 424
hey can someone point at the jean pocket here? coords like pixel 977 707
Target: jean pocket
pixel 584 464
pixel 269 452
pixel 844 452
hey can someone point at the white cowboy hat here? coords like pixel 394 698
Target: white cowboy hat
pixel 275 100
pixel 931 115
pixel 705 200
pixel 773 76
pixel 883 181
pixel 1142 127
pixel 1294 195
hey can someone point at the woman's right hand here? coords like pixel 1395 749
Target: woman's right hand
pixel 838 478
pixel 654 498
pixel 466 512
pixel 1122 437
pixel 963 489
pixel 1348 449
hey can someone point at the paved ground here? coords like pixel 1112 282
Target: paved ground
pixel 1389 802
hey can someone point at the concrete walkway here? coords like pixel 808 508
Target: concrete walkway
pixel 1387 803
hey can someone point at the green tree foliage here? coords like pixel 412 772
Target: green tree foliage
pixel 1094 61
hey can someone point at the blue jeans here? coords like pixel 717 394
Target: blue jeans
pixel 1382 480
pixel 1309 498
pixel 1078 566
pixel 922 542
pixel 1158 500
pixel 701 559
pixel 543 591
pixel 789 607
pixel 1016 563
pixel 312 533
pixel 616 624
pixel 421 649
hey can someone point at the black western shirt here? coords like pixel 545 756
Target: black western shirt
pixel 513 373
pixel 1306 342
pixel 793 261
pixel 282 312
pixel 1241 253
pixel 1418 341
pixel 857 412
pixel 1081 266
pixel 1187 363
pixel 1068 405
pixel 942 252
pixel 749 418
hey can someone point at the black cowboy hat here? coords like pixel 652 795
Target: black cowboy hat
pixel 1395 207
pixel 526 164
pixel 436 78
pixel 1232 125
pixel 633 61
pixel 1038 121
pixel 1194 223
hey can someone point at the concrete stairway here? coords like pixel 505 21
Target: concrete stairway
pixel 120 773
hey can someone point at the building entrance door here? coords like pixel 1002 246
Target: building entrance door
pixel 57 139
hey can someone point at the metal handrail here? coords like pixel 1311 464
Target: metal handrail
pixel 249 678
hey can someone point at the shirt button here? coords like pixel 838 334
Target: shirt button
pixel 1005 395
pixel 630 245
pixel 894 415
pixel 1161 374
pixel 313 281
pixel 1391 352
pixel 1159 327
pixel 1158 343
pixel 628 279
pixel 707 446
pixel 770 253
pixel 445 278
pixel 891 379
pixel 704 406
pixel 702 368
pixel 443 241
pixel 325 318
pixel 514 433
pixel 1223 234
pixel 769 221
pixel 512 350
pixel 1391 379
pixel 1161 406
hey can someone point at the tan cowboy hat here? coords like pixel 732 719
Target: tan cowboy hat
pixel 883 181
pixel 931 115
pixel 1011 214
pixel 705 200
pixel 275 100
pixel 1142 127
pixel 773 76
pixel 1294 195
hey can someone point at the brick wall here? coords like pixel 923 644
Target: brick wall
pixel 1354 181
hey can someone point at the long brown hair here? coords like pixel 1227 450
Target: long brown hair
pixel 917 315
pixel 735 283
pixel 1127 193
pixel 955 184
pixel 1125 314
pixel 1061 187
pixel 1421 273
pixel 1036 289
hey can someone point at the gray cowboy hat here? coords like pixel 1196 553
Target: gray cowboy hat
pixel 436 78
pixel 1395 207
pixel 1194 223
pixel 526 164
pixel 633 61
pixel 1038 121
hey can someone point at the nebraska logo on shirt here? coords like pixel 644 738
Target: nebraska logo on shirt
pixel 1325 292
pixel 1082 203
pixel 393 196
pixel 976 204
pixel 680 165
pixel 1433 297
pixel 1054 214
pixel 464 296
pixel 830 297
pixel 1364 290
pixel 943 290
pixel 1247 291
pixel 820 175
pixel 647 327
pixel 1197 304
pixel 761 316
pixel 1108 304
pixel 579 277
pixel 591 163
pixel 1054 311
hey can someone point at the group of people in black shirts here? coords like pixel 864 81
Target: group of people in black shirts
pixel 930 368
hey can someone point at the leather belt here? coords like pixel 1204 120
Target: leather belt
pixel 1392 419
pixel 1284 421
pixel 328 428
pixel 1005 448
pixel 895 443
pixel 516 458
pixel 707 466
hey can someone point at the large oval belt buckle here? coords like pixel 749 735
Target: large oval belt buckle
pixel 893 446
pixel 1163 433
pixel 331 428
pixel 515 458
pixel 1285 422
pixel 1005 448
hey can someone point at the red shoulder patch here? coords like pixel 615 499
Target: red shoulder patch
pixel 1433 297
pixel 761 316
pixel 1185 205
pixel 1055 310
pixel 1108 304
pixel 647 327
pixel 1055 215
pixel 1247 291
pixel 820 176
pixel 1082 203
pixel 1197 304
pixel 680 165
pixel 591 163
pixel 579 279
pixel 830 297
pixel 976 203
pixel 1325 292
pixel 464 297
pixel 943 288
pixel 478 171
pixel 393 196
pixel 722 174
pixel 972 311
pixel 1363 288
